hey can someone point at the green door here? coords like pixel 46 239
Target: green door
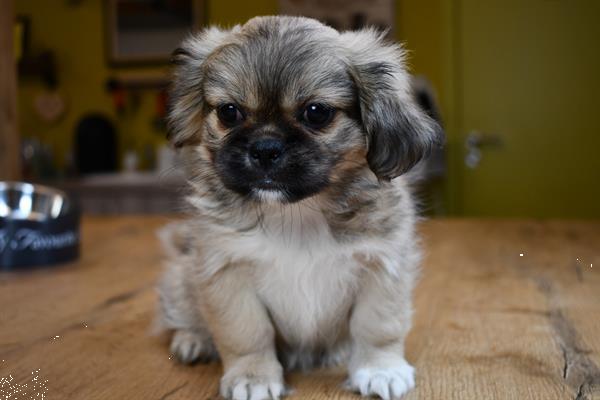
pixel 528 98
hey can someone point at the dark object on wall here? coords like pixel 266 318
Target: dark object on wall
pixel 143 31
pixel 39 225
pixel 22 36
pixel 43 66
pixel 95 145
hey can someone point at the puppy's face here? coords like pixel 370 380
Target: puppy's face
pixel 282 108
pixel 279 116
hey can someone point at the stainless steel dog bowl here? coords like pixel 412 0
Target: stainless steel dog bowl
pixel 39 225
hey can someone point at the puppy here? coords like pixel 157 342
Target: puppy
pixel 300 249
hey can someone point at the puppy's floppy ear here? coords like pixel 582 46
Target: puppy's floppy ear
pixel 399 134
pixel 185 96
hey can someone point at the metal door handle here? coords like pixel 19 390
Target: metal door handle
pixel 475 141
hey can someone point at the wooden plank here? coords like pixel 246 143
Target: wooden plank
pixel 10 162
pixel 489 323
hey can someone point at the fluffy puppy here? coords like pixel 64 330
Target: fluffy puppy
pixel 300 249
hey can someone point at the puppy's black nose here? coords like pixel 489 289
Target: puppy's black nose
pixel 266 153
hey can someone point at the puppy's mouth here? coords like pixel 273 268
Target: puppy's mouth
pixel 267 184
pixel 281 193
pixel 267 190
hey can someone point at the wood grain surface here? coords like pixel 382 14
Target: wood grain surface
pixel 489 323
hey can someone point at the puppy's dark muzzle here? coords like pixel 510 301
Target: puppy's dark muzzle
pixel 266 153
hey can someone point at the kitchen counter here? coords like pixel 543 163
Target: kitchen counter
pixel 504 309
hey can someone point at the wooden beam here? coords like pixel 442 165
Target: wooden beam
pixel 10 161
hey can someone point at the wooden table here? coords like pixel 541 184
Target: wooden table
pixel 505 310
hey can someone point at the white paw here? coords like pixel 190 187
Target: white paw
pixel 252 388
pixel 387 383
pixel 188 346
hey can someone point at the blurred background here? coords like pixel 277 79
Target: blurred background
pixel 514 84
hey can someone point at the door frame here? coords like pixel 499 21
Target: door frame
pixel 10 161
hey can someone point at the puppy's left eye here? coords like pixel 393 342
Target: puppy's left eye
pixel 317 115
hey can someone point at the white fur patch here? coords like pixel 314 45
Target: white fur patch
pixel 303 276
pixel 188 347
pixel 247 389
pixel 269 196
pixel 387 383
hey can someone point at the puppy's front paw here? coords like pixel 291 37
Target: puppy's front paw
pixel 253 388
pixel 387 383
pixel 189 346
pixel 253 378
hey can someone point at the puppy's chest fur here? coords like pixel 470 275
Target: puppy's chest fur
pixel 306 279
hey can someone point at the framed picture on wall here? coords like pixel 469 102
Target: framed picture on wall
pixel 147 31
pixel 344 14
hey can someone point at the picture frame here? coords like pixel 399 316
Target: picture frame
pixel 345 14
pixel 147 31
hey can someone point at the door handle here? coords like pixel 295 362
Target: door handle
pixel 475 141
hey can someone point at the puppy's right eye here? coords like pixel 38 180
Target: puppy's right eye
pixel 229 114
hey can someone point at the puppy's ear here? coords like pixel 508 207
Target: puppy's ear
pixel 399 134
pixel 185 96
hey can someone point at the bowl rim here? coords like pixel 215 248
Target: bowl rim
pixel 37 188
